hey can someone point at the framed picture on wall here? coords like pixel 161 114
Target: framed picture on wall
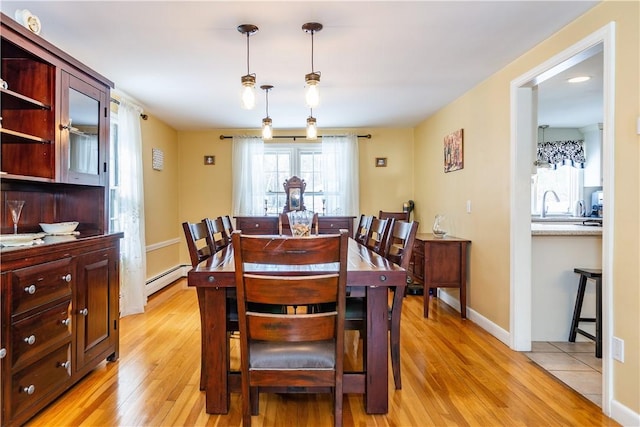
pixel 453 151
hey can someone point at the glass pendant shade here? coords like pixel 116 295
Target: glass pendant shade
pixel 267 128
pixel 312 92
pixel 248 98
pixel 312 128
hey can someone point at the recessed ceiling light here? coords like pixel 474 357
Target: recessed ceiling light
pixel 578 79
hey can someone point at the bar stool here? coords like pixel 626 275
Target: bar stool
pixel 596 275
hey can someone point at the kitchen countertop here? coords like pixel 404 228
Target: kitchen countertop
pixel 564 229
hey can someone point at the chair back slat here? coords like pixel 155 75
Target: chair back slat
pixel 401 241
pixel 217 233
pixel 362 231
pixel 292 328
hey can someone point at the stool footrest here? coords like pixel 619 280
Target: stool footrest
pixel 586 334
pixel 587 319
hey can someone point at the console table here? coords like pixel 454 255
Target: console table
pixel 441 263
pixel 269 224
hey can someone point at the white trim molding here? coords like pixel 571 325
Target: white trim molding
pixel 160 245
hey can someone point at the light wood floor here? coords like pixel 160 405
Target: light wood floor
pixel 454 374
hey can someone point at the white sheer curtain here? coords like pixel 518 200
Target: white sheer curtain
pixel 248 188
pixel 340 175
pixel 131 210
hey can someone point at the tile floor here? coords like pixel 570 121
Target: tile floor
pixel 573 363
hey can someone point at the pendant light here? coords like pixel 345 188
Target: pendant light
pixel 312 126
pixel 267 129
pixel 248 98
pixel 312 94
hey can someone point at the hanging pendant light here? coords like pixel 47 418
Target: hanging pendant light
pixel 267 129
pixel 248 98
pixel 312 126
pixel 312 94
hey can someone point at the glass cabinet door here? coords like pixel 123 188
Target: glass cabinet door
pixel 83 124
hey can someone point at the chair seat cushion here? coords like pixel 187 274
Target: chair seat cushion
pixel 292 355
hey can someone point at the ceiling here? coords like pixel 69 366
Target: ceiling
pixel 383 63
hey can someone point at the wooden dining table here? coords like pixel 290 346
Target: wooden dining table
pixel 368 274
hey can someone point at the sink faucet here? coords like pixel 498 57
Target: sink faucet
pixel 543 214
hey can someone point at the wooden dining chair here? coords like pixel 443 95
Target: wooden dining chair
pixel 398 216
pixel 362 231
pixel 217 233
pixel 200 243
pixel 228 226
pixel 378 237
pixel 302 350
pixel 401 241
pixel 284 227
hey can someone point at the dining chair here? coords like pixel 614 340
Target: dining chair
pixel 398 216
pixel 284 226
pixel 362 230
pixel 217 233
pixel 201 246
pixel 299 350
pixel 401 241
pixel 228 226
pixel 378 236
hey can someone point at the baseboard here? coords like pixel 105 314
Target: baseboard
pixel 164 279
pixel 624 415
pixel 477 318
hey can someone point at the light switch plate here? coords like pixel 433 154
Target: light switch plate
pixel 617 349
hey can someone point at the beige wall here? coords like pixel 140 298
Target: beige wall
pixel 484 113
pixel 160 197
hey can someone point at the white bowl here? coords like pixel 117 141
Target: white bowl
pixel 60 227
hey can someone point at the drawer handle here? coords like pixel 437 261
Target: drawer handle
pixel 65 365
pixel 29 390
pixel 66 322
pixel 257 225
pixel 30 289
pixel 67 278
pixel 84 312
pixel 3 353
pixel 31 339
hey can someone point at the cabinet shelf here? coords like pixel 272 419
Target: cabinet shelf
pixel 12 136
pixel 15 101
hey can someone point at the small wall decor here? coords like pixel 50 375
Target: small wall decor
pixel 381 162
pixel 209 160
pixel 157 159
pixel 453 151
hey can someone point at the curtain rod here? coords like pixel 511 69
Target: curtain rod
pixel 142 116
pixel 294 137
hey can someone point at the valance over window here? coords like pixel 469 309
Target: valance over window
pixel 562 153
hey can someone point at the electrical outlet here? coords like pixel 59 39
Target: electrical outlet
pixel 468 206
pixel 617 349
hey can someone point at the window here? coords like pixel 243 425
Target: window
pixel 282 161
pixel 566 181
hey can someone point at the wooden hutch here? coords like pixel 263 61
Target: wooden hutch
pixel 59 299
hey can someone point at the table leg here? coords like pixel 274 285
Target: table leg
pixel 213 308
pixel 377 383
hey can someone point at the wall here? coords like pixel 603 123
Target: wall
pixel 206 190
pixel 484 113
pixel 163 236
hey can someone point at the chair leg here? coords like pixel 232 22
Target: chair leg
pixel 577 310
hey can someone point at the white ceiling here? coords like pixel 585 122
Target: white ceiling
pixel 383 63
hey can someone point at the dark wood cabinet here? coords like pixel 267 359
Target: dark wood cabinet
pixel 269 224
pixel 440 262
pixel 59 301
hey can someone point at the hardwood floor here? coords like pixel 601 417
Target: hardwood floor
pixel 454 374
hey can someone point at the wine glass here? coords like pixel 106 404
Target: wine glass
pixel 15 206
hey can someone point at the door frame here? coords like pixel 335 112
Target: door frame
pixel 523 135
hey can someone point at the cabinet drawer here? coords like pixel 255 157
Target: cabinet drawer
pixel 39 284
pixel 257 225
pixel 333 226
pixel 36 381
pixel 33 335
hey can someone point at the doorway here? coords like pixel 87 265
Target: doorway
pixel 524 135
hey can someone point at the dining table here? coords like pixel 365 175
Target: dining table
pixel 368 274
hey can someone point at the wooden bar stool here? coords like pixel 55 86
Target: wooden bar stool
pixel 596 275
